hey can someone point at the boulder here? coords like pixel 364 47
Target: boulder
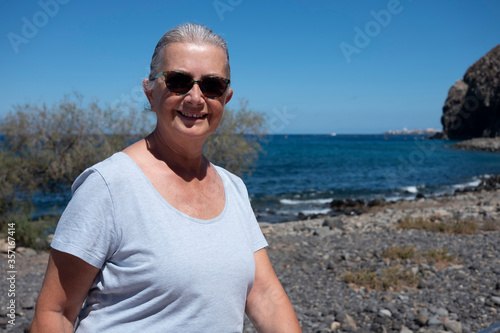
pixel 472 108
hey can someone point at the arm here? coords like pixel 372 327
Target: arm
pixel 66 284
pixel 268 306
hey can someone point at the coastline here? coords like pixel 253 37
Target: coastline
pixel 480 144
pixel 312 256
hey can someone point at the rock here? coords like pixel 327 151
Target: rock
pixel 348 205
pixel 405 329
pixel 4 246
pixel 376 202
pixel 28 303
pixel 26 251
pixel 472 107
pixel 434 323
pixel 421 319
pixel 347 322
pixel 334 326
pixel 485 144
pixel 495 300
pixel 385 313
pixel 419 196
pixel 453 326
pixel 323 231
pixel 441 312
pixel 334 223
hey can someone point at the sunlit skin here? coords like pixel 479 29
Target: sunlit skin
pixel 173 127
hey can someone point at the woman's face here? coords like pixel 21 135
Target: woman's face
pixel 191 115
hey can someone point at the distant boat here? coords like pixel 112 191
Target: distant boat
pixel 333 134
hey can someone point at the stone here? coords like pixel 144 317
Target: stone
pixel 334 326
pixel 434 322
pixel 323 232
pixel 334 223
pixel 4 246
pixel 495 300
pixel 441 312
pixel 421 319
pixel 453 326
pixel 26 251
pixel 405 329
pixel 385 313
pixel 28 303
pixel 347 322
pixel 472 107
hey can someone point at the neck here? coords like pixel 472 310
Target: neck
pixel 186 160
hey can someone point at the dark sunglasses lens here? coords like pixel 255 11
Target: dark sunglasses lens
pixel 213 87
pixel 179 83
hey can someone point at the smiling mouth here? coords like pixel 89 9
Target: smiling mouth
pixel 192 115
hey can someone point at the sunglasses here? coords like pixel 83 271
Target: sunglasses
pixel 180 83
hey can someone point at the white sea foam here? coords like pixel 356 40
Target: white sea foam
pixel 315 211
pixel 473 183
pixel 300 202
pixel 410 189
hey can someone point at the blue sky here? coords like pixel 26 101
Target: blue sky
pixel 341 66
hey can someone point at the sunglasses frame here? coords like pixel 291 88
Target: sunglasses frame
pixel 193 82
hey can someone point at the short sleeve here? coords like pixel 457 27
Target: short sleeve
pixel 258 239
pixel 86 228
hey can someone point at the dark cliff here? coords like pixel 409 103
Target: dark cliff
pixel 472 108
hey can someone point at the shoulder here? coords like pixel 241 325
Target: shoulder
pixel 233 184
pixel 226 175
pixel 111 170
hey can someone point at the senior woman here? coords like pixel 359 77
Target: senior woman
pixel 156 238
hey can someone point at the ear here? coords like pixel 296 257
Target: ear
pixel 228 96
pixel 148 92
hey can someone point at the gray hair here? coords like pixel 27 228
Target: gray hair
pixel 186 33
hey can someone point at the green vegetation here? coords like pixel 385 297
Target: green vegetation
pixel 237 142
pixel 43 149
pixel 455 226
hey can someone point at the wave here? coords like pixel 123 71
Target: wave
pixel 473 183
pixel 300 202
pixel 410 189
pixel 315 211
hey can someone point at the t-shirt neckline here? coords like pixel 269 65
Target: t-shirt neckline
pixel 170 206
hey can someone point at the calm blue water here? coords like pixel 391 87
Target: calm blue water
pixel 303 173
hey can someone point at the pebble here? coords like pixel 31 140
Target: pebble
pixel 385 313
pixel 453 326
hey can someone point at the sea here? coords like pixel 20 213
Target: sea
pixel 301 174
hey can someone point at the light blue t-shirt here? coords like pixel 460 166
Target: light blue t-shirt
pixel 161 270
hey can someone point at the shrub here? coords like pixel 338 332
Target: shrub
pixel 399 253
pixel 393 277
pixel 456 226
pixel 439 255
pixel 236 143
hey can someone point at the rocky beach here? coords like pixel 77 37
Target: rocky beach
pixel 427 265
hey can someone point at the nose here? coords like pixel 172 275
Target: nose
pixel 194 95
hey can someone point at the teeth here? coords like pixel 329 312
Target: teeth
pixel 191 115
